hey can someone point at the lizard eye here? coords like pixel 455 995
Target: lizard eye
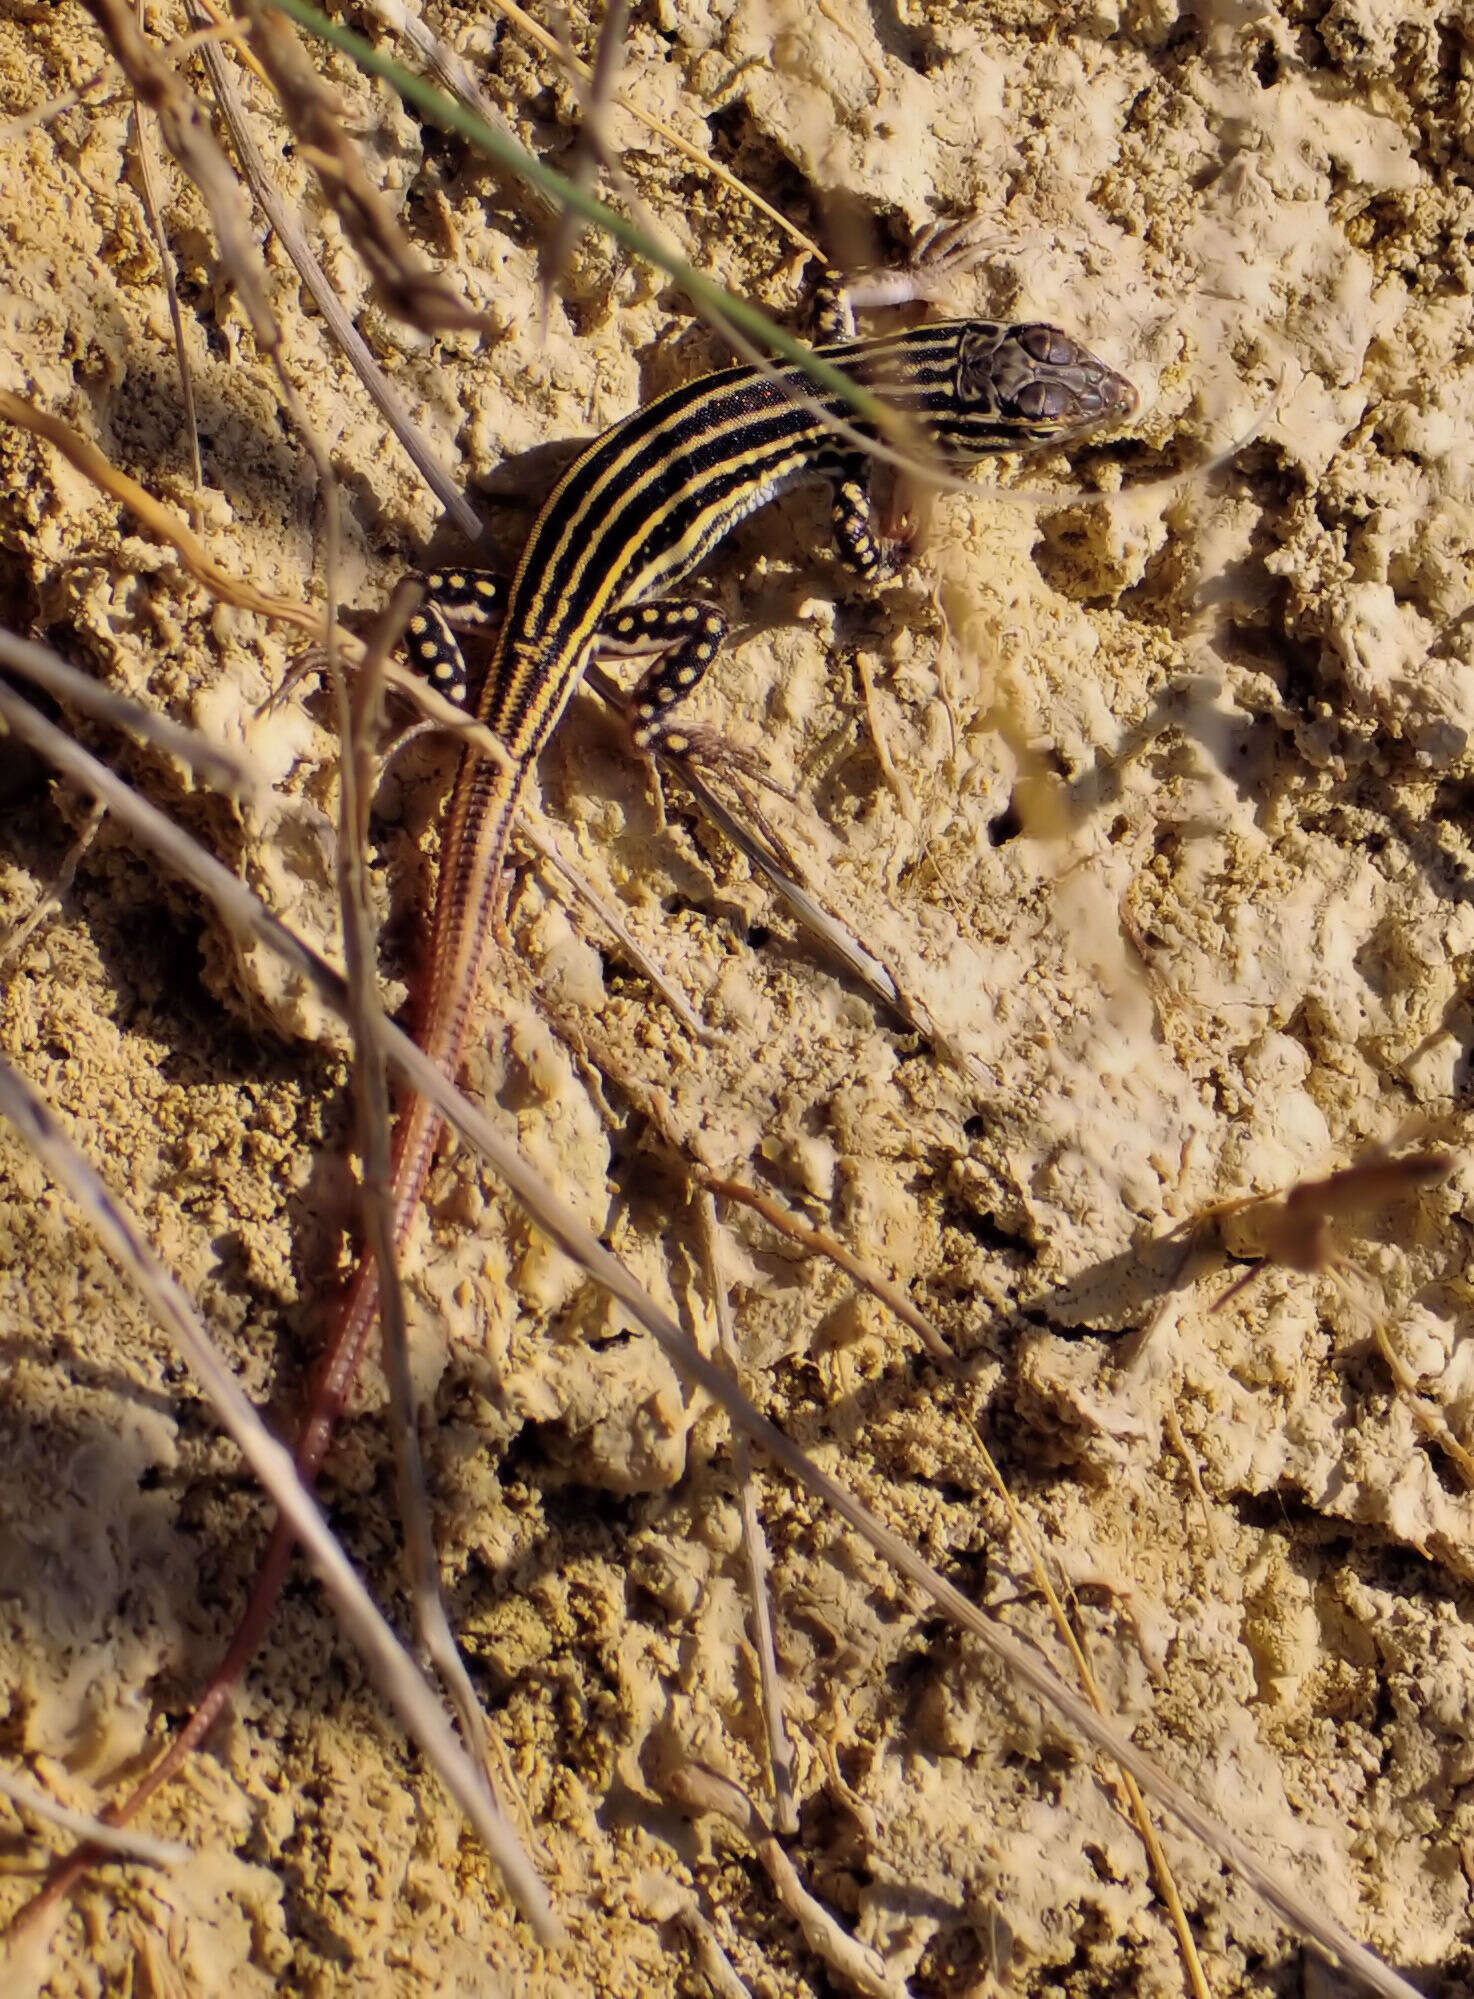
pixel 1043 400
pixel 1050 347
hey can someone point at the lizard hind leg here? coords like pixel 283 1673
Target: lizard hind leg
pixel 685 637
pixel 854 524
pixel 456 600
pixel 435 654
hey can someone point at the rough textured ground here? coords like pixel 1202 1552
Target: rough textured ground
pixel 1174 846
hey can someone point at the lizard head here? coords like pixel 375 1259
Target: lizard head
pixel 1028 384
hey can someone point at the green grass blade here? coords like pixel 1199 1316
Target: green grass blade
pixel 433 103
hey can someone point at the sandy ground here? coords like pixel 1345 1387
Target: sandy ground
pixel 1169 833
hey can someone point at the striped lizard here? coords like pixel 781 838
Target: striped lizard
pixel 631 518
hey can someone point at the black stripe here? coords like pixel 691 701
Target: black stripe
pixel 690 471
pixel 572 492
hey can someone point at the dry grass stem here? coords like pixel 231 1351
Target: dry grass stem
pixel 716 1966
pixel 405 284
pixel 597 86
pixel 855 1963
pixel 53 107
pixel 550 45
pixel 1173 1431
pixel 147 175
pixel 166 527
pixel 1426 1414
pixel 841 942
pixel 835 19
pixel 355 349
pixel 900 790
pixel 535 833
pixel 1166 1881
pixel 226 770
pixel 51 898
pixel 159 87
pixel 821 1243
pixel 156 518
pixel 754 1544
pixel 126 1844
pixel 403 18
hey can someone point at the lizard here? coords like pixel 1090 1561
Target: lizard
pixel 631 518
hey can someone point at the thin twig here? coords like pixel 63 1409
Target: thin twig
pixel 226 770
pixel 1166 1881
pixel 754 1544
pixel 821 1243
pixel 549 44
pixel 1173 1431
pixel 862 965
pixel 51 897
pixel 701 1790
pixel 166 526
pixel 898 787
pixel 146 176
pixel 405 284
pixel 1424 1412
pixel 186 132
pixel 53 107
pixel 539 837
pixel 714 1964
pixel 401 17
pixel 598 86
